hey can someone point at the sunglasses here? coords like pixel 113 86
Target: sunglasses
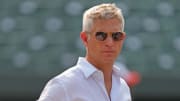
pixel 116 36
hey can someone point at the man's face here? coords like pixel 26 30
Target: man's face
pixel 107 50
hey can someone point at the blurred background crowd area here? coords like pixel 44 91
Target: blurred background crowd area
pixel 40 38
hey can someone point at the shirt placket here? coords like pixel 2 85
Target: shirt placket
pixel 99 78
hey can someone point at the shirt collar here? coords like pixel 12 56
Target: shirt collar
pixel 117 70
pixel 88 69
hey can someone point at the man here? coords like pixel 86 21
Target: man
pixel 94 77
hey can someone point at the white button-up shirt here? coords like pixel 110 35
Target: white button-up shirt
pixel 84 82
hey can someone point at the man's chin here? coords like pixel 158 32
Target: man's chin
pixel 108 60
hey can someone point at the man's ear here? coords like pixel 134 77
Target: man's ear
pixel 84 37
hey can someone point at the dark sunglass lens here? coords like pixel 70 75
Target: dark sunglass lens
pixel 101 36
pixel 117 36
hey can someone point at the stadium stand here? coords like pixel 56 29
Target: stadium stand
pixel 40 38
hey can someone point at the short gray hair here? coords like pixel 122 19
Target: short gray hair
pixel 102 11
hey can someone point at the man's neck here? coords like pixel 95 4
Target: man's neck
pixel 107 70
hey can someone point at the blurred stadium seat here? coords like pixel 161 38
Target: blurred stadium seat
pixel 40 38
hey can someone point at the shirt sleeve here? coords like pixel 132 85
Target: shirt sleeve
pixel 54 91
pixel 127 93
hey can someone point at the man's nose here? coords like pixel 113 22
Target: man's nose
pixel 109 41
